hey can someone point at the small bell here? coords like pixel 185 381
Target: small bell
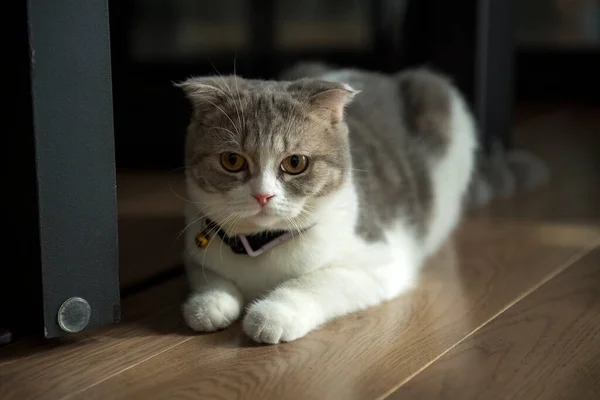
pixel 202 239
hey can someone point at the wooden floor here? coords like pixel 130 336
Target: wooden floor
pixel 509 308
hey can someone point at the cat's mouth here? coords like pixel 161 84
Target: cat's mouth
pixel 267 216
pixel 266 213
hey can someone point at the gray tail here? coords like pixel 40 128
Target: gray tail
pixel 503 173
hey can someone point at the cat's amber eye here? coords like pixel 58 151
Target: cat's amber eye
pixel 294 164
pixel 233 162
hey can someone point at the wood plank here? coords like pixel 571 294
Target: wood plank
pixel 54 368
pixel 365 355
pixel 546 347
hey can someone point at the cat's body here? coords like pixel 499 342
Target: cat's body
pixel 385 186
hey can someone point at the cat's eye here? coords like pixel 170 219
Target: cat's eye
pixel 233 162
pixel 294 164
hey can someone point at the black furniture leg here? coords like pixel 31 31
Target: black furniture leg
pixel 494 71
pixel 472 41
pixel 62 215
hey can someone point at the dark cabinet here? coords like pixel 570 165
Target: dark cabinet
pixel 60 271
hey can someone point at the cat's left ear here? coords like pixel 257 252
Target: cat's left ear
pixel 327 99
pixel 206 93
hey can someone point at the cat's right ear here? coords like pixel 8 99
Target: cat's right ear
pixel 203 93
pixel 324 98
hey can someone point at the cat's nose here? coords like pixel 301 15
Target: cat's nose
pixel 262 198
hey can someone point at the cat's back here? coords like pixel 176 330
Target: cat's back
pixel 376 108
pixel 412 141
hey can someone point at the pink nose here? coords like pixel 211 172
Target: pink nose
pixel 262 198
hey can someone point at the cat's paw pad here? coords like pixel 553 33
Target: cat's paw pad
pixel 273 322
pixel 209 312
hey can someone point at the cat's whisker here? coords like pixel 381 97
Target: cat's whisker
pixel 230 93
pixel 217 215
pixel 193 222
pixel 308 222
pixel 306 214
pixel 296 228
pixel 238 93
pixel 181 232
pixel 226 115
pixel 211 232
pixel 187 227
pixel 237 110
pixel 206 206
pixel 300 233
pixel 241 218
pixel 289 226
pixel 220 128
pixel 179 196
pixel 308 211
pixel 221 76
pixel 224 227
pixel 232 229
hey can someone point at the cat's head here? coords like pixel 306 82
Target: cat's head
pixel 264 155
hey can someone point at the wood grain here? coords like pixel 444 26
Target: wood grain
pixel 546 347
pixel 367 354
pixel 54 368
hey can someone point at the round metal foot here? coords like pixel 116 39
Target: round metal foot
pixel 74 315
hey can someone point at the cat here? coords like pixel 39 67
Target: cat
pixel 317 196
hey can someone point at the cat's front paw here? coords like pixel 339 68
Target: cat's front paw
pixel 213 310
pixel 270 321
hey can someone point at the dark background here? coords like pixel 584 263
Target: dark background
pixel 157 42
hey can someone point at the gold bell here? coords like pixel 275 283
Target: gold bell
pixel 202 239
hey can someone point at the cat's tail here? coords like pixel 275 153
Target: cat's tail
pixel 503 173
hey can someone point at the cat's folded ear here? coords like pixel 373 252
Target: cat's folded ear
pixel 207 92
pixel 327 99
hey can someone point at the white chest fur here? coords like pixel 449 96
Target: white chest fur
pixel 331 239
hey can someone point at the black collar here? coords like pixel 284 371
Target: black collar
pixel 255 244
